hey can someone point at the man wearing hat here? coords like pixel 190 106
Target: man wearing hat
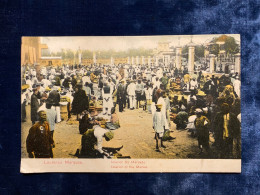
pixel 94 137
pixel 28 82
pixel 202 128
pixel 148 97
pixel 201 101
pixel 57 79
pixel 107 99
pixel 44 82
pixel 34 105
pixel 163 108
pixel 80 101
pixel 210 87
pixel 39 141
pixel 193 85
pixel 131 93
pixel 121 95
pixel 66 82
pixel 126 94
pixel 224 81
pixel 51 116
pixel 202 82
pixel 87 89
pixel 159 125
pixel 23 102
pixel 54 98
pixel 164 81
pixel 138 91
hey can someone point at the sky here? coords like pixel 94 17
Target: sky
pixel 122 43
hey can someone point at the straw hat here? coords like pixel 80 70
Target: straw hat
pixel 158 105
pixel 25 86
pixel 99 108
pixel 91 108
pixel 201 93
pixel 109 135
pixel 198 110
pixel 47 88
pixel 205 109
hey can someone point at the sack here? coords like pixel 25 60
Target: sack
pixel 110 126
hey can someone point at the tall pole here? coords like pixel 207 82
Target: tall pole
pixel 191 56
pixel 178 57
pixel 211 63
pixel 238 63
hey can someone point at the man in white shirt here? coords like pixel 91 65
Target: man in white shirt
pixel 44 82
pixel 131 93
pixel 157 83
pixel 148 96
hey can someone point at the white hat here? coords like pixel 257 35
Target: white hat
pixel 205 109
pixel 55 87
pixel 198 110
pixel 183 107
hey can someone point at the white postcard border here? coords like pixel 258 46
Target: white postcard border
pixel 131 165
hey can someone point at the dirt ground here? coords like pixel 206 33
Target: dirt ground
pixel 135 134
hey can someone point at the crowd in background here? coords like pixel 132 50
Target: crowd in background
pixel 201 102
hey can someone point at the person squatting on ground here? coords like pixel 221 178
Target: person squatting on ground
pixel 94 137
pixel 181 119
pixel 114 118
pixel 39 142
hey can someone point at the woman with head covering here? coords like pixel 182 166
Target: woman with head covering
pixel 202 127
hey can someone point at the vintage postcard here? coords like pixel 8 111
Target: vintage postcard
pixel 131 104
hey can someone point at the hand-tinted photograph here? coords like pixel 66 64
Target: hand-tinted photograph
pixel 131 97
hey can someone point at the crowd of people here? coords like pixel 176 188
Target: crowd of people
pixel 201 102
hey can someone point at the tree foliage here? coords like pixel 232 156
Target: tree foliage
pixel 230 46
pixel 199 52
pixel 214 49
pixel 185 51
